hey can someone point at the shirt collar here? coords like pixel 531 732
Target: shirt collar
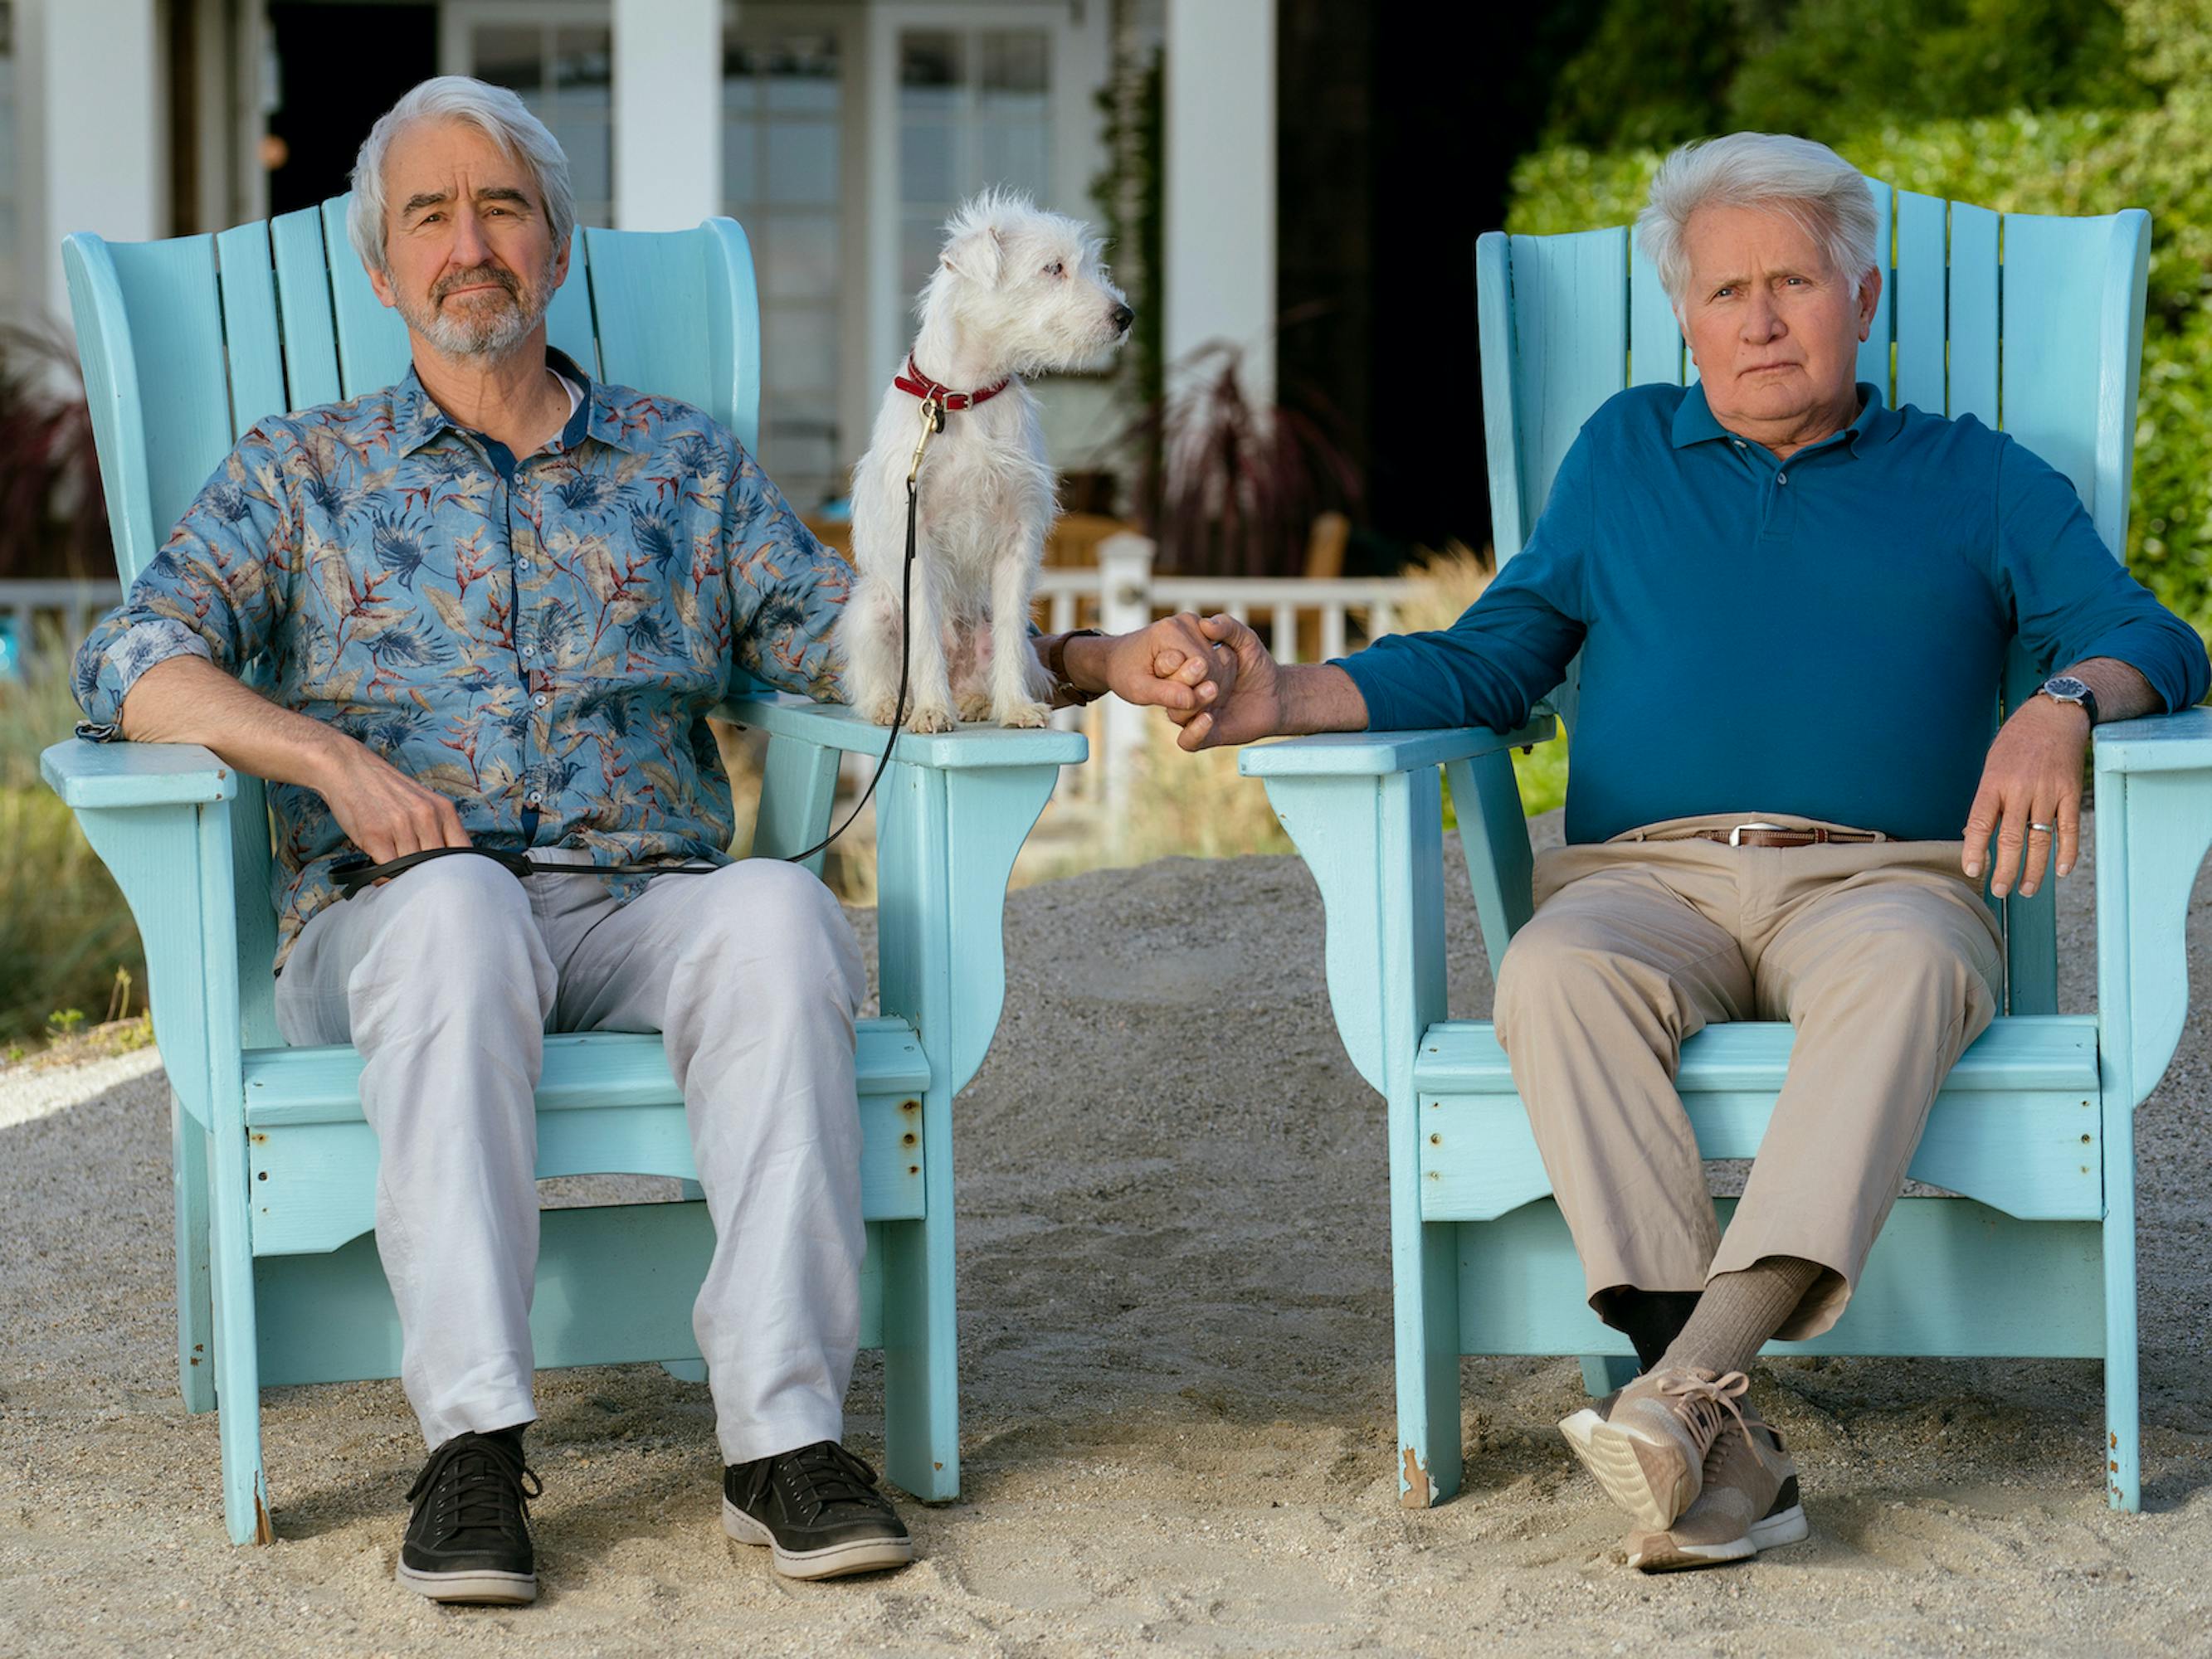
pixel 416 418
pixel 1694 422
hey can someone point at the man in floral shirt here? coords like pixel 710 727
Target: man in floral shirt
pixel 493 605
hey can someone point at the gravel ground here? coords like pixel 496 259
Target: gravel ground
pixel 1176 1376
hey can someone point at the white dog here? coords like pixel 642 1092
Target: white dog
pixel 1016 292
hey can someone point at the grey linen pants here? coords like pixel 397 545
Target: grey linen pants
pixel 1883 956
pixel 446 979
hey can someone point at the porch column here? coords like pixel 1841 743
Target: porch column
pixel 1219 188
pixel 98 73
pixel 667 112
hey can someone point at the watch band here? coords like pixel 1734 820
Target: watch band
pixel 1065 693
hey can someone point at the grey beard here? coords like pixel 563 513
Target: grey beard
pixel 493 336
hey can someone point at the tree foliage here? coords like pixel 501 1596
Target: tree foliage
pixel 1661 74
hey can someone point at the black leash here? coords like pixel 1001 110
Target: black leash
pixel 355 873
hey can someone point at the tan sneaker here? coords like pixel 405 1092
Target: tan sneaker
pixel 1648 1451
pixel 1748 1503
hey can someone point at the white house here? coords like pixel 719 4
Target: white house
pixel 839 132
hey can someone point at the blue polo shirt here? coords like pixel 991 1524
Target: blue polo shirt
pixel 1823 635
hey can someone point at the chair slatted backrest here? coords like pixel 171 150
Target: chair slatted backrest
pixel 187 343
pixel 2032 323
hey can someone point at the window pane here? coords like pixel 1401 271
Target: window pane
pixel 929 69
pixel 1012 61
pixel 740 91
pixel 802 163
pixel 511 58
pixel 1015 154
pixel 8 175
pixel 583 57
pixel 799 446
pixel 802 73
pixel 799 348
pixel 583 133
pixel 798 254
pixel 740 155
pixel 919 241
pixel 926 170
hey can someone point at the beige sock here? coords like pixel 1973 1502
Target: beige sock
pixel 1738 1312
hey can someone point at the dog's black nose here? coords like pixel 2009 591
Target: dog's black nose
pixel 1122 317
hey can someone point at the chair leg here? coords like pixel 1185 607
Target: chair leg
pixel 921 1406
pixel 2122 1422
pixel 1425 1275
pixel 237 1358
pixel 188 1173
pixel 1602 1373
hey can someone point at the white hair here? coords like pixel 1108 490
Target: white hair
pixel 1809 182
pixel 500 115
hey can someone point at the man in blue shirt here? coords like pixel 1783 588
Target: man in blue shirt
pixel 1792 606
pixel 495 604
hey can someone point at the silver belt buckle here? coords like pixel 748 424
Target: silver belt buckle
pixel 1736 835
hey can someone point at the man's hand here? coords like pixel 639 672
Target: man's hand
pixel 1248 701
pixel 383 812
pixel 2033 776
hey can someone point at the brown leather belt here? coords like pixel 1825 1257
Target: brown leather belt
pixel 1773 834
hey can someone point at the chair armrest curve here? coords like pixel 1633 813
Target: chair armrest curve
pixel 2154 830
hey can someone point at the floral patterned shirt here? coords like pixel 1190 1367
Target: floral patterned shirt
pixel 539 639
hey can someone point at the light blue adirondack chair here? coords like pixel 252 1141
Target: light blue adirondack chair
pixel 2034 1126
pixel 186 344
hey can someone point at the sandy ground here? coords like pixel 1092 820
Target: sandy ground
pixel 1176 1380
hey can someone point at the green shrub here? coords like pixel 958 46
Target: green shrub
pixel 2074 161
pixel 64 928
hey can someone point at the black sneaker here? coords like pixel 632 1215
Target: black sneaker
pixel 468 1540
pixel 819 1509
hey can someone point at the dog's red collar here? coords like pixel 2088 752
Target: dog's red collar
pixel 918 384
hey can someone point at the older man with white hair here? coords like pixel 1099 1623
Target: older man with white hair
pixel 494 605
pixel 1792 605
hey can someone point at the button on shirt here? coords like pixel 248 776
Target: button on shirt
pixel 539 639
pixel 1823 635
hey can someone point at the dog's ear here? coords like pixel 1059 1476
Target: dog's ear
pixel 977 255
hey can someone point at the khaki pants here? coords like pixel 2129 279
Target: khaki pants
pixel 1883 956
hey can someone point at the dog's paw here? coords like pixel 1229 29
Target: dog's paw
pixel 1026 715
pixel 974 705
pixel 879 711
pixel 930 718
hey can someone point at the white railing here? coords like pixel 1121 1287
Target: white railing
pixel 30 611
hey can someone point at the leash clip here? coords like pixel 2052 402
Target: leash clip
pixel 932 422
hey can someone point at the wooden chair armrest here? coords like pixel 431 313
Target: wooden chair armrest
pixel 2179 741
pixel 120 775
pixel 1378 754
pixel 833 725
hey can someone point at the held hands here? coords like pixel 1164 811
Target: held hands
pixel 1247 702
pixel 2030 796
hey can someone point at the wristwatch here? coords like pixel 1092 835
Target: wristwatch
pixel 2064 688
pixel 1066 692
